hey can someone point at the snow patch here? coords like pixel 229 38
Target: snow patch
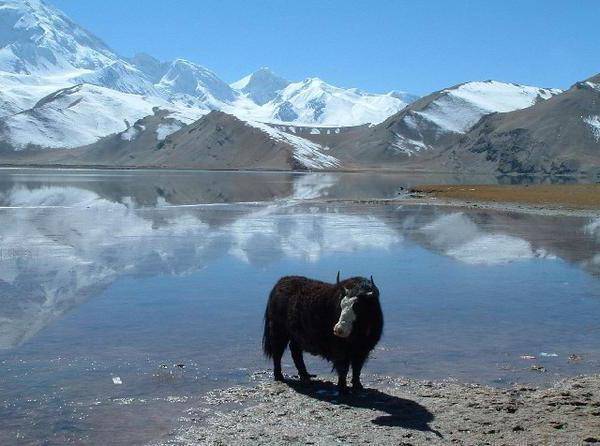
pixel 594 123
pixel 408 146
pixel 163 130
pixel 307 153
pixel 132 132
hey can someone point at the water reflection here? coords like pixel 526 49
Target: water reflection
pixel 61 245
pixel 458 236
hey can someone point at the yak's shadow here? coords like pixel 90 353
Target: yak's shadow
pixel 400 412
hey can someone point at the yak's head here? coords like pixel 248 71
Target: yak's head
pixel 358 290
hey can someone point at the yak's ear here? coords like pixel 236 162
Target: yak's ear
pixel 372 281
pixel 337 280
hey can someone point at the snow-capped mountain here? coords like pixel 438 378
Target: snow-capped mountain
pixel 458 108
pixel 60 86
pixel 453 111
pixel 185 80
pixel 434 122
pixel 120 76
pixel 312 102
pixel 37 38
pixel 80 115
pixel 558 136
pixel 261 86
pixel 44 54
pixel 152 68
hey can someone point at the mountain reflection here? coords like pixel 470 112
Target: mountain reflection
pixel 62 245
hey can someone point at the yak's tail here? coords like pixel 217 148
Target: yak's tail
pixel 266 341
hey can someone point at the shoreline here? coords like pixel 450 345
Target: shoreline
pixel 395 411
pixel 348 169
pixel 411 200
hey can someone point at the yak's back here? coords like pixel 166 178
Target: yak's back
pixel 302 288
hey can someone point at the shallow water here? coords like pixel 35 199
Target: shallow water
pixel 130 274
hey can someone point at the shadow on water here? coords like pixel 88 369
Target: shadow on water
pixel 400 412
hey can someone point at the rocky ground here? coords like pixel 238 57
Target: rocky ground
pixel 396 411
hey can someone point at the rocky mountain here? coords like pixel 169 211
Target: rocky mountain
pixel 432 123
pixel 215 141
pixel 557 136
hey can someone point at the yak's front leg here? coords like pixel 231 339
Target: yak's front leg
pixel 342 366
pixel 299 362
pixel 357 365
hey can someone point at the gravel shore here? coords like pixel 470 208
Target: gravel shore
pixel 396 411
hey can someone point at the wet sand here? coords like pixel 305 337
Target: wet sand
pixel 397 411
pixel 570 196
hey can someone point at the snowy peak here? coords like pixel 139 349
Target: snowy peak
pixel 153 68
pixel 261 86
pixel 37 38
pixel 458 108
pixel 403 96
pixel 188 79
pixel 433 121
pixel 314 101
pixel 119 76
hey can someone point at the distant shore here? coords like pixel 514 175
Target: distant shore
pixel 398 411
pixel 575 196
pixel 551 199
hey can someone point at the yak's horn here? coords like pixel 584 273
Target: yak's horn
pixel 338 278
pixel 372 281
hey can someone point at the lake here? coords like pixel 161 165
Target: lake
pixel 125 296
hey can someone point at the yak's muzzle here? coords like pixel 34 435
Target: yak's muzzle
pixel 343 328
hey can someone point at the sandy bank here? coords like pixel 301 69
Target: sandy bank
pixel 400 412
pixel 575 196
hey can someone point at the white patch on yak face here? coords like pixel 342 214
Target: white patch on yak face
pixel 343 328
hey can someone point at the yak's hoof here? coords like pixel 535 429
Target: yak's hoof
pixel 279 377
pixel 305 379
pixel 343 390
pixel 357 387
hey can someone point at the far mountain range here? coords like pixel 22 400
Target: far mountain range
pixel 66 99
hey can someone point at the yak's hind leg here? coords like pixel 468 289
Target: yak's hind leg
pixel 299 361
pixel 357 362
pixel 278 345
pixel 342 366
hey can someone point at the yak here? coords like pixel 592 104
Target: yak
pixel 341 322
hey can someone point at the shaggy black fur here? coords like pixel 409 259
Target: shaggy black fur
pixel 302 313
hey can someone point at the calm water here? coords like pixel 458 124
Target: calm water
pixel 128 274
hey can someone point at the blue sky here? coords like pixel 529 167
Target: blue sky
pixel 417 46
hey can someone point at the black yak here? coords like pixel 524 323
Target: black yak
pixel 340 322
